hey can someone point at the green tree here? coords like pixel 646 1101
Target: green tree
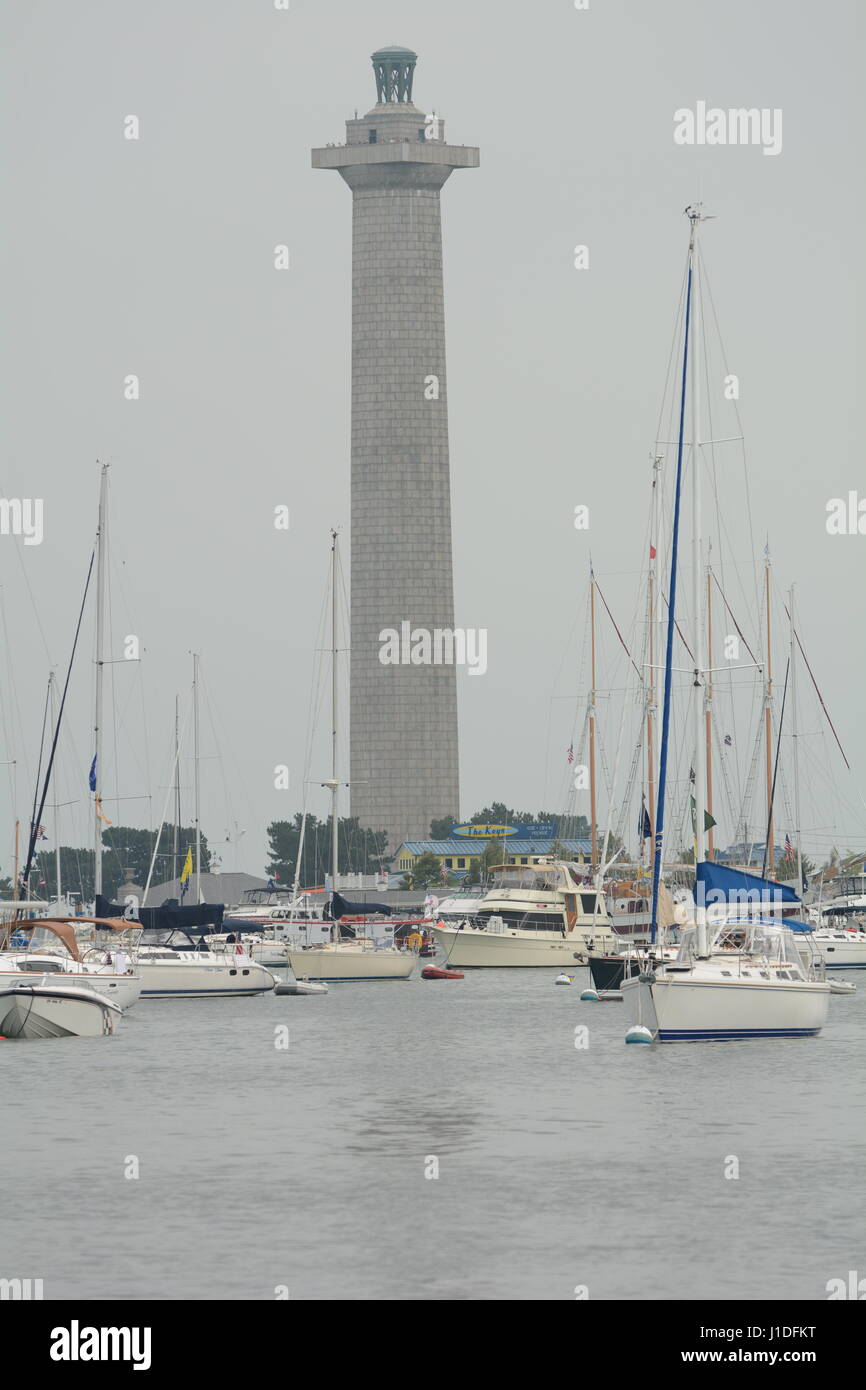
pixel 124 847
pixel 492 854
pixel 424 872
pixel 440 827
pixel 359 851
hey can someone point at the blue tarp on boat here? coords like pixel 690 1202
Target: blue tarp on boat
pixel 716 883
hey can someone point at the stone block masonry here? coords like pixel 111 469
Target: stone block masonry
pixel 403 718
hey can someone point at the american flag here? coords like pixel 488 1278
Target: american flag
pixel 789 849
pixel 570 754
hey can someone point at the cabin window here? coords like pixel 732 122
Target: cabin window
pixel 765 974
pixel 588 901
pixel 726 972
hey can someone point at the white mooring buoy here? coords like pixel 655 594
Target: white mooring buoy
pixel 564 979
pixel 590 994
pixel 638 1034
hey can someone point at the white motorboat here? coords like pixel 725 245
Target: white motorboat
pixel 44 1008
pixel 754 983
pixel 543 914
pixel 455 908
pixel 268 911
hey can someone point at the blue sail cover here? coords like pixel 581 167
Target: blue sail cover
pixel 716 883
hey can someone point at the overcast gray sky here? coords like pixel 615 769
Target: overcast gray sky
pixel 155 257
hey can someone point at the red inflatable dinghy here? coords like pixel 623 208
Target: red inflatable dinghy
pixel 435 972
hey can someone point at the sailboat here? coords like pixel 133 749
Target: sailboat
pixel 339 959
pixel 748 978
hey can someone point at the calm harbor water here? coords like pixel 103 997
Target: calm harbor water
pixel 305 1167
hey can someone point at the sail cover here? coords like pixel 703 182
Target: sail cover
pixel 170 916
pixel 716 883
pixel 342 907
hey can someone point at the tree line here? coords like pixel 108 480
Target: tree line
pixel 123 847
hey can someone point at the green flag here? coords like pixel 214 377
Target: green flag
pixel 709 821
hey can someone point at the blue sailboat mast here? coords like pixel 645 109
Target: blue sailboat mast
pixel 672 596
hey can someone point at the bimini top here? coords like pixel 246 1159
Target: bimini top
pixel 64 927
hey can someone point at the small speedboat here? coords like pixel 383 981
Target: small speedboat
pixel 45 1009
pixel 436 972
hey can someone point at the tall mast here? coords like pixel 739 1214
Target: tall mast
pixel 176 840
pixel 794 733
pixel 651 617
pixel 335 857
pixel 58 889
pixel 659 839
pixel 16 885
pixel 768 721
pixel 592 784
pixel 711 843
pixel 101 540
pixel 699 694
pixel 197 782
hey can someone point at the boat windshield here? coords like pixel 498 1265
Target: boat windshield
pixel 541 881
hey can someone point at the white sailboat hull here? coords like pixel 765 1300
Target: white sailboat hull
pixel 839 953
pixel 55 1011
pixel 348 963
pixel 478 949
pixel 181 979
pixel 682 1008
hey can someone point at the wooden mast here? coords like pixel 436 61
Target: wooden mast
pixel 768 721
pixel 592 783
pixel 711 844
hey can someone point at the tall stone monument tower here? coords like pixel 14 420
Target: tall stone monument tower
pixel 403 717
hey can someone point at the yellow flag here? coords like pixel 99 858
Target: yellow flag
pixel 187 866
pixel 99 812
